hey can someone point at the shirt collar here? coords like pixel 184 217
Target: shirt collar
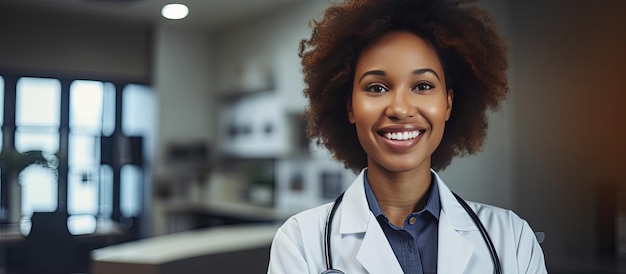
pixel 433 205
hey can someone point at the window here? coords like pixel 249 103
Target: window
pixel 67 120
pixel 37 130
pixel 86 107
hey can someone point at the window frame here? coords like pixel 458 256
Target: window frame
pixel 117 140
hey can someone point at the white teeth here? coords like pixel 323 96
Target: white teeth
pixel 402 135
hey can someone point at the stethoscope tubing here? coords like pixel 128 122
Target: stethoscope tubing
pixel 329 220
pixel 327 228
pixel 497 267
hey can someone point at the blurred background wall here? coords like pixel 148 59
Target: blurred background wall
pixel 570 125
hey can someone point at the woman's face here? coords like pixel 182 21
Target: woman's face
pixel 399 103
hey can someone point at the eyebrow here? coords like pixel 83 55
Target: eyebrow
pixel 382 73
pixel 372 72
pixel 426 70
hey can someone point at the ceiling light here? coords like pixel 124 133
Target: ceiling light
pixel 174 11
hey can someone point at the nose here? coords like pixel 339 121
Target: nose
pixel 400 106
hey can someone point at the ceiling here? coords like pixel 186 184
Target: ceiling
pixel 205 14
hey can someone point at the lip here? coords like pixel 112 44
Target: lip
pixel 406 131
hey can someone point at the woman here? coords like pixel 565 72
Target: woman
pixel 397 89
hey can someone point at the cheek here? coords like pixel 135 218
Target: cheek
pixel 437 112
pixel 362 110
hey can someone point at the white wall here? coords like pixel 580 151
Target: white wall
pixel 271 42
pixel 183 83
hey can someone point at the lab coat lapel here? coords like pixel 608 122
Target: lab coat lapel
pixel 375 253
pixel 454 250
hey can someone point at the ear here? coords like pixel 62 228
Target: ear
pixel 349 110
pixel 450 95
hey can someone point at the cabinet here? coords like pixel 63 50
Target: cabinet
pixel 253 126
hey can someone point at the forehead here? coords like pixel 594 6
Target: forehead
pixel 399 49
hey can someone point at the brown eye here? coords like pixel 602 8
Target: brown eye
pixel 376 88
pixel 423 86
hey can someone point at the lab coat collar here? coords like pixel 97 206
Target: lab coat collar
pixel 454 250
pixel 357 213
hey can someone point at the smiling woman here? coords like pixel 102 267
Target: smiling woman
pixel 396 90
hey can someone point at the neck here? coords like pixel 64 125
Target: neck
pixel 399 193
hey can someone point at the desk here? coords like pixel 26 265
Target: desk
pixel 229 249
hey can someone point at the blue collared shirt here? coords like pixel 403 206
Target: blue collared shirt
pixel 414 244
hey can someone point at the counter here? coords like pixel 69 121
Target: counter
pixel 223 249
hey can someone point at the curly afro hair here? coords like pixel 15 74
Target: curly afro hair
pixel 470 48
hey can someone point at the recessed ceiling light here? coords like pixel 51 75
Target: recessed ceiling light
pixel 174 11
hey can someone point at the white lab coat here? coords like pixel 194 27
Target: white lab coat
pixel 360 246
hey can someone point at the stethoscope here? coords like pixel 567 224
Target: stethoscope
pixel 329 221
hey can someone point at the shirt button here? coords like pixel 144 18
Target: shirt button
pixel 412 220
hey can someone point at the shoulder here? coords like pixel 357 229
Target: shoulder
pixel 504 224
pixel 297 242
pixel 499 218
pixel 493 211
pixel 515 240
pixel 303 223
pixel 497 213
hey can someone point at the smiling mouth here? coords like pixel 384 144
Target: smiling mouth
pixel 402 136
